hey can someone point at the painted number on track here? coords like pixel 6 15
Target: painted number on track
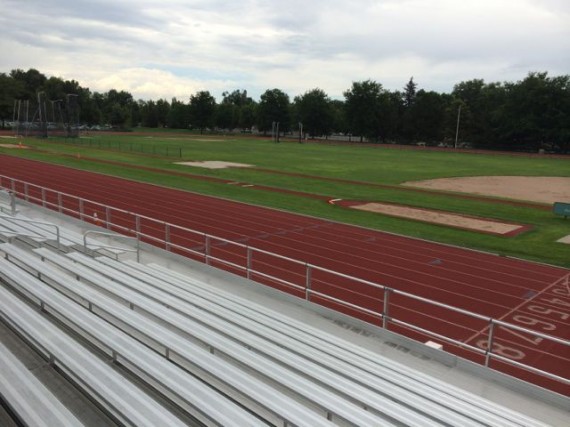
pixel 548 311
pixel 530 321
pixel 557 301
pixel 502 350
pixel 561 291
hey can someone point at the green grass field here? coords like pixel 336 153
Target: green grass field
pixel 368 164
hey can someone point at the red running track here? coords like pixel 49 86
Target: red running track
pixel 526 294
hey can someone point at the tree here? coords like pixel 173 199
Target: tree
pixel 428 113
pixel 118 108
pixel 57 88
pixel 227 116
pixel 10 90
pixel 273 107
pixel 247 115
pixel 339 122
pixel 236 110
pixel 162 110
pixel 202 110
pixel 89 111
pixel 410 93
pixel 149 114
pixel 154 114
pixel 390 115
pixel 237 97
pixel 362 104
pixel 32 81
pixel 179 115
pixel 470 93
pixel 97 108
pixel 119 116
pixel 314 110
pixel 409 127
pixel 537 112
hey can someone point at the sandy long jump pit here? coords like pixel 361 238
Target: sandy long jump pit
pixel 13 146
pixel 215 164
pixel 481 225
pixel 541 189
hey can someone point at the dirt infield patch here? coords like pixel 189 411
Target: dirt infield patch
pixel 540 189
pixel 452 220
pixel 565 239
pixel 214 164
pixel 13 146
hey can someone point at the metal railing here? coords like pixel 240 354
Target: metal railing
pixel 98 246
pixel 11 204
pixel 38 232
pixel 242 258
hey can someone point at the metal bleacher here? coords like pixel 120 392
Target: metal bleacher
pixel 40 233
pixel 151 298
pixel 28 397
pixel 151 346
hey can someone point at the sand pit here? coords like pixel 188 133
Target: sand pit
pixel 452 220
pixel 540 189
pixel 214 164
pixel 13 146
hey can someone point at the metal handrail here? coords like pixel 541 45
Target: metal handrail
pixel 115 236
pixel 250 252
pixel 32 221
pixel 12 210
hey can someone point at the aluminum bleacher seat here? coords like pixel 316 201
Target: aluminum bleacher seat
pixel 448 408
pixel 54 235
pixel 10 229
pixel 156 367
pixel 278 374
pixel 121 398
pixel 343 357
pixel 28 398
pixel 332 375
pixel 6 206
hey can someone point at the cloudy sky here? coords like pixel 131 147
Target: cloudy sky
pixel 169 48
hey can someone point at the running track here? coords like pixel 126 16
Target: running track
pixel 523 293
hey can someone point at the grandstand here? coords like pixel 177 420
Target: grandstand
pixel 98 329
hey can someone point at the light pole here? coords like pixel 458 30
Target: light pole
pixel 457 128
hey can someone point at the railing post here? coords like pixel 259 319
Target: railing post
pixel 308 280
pixel 207 250
pixel 59 202
pixel 138 225
pixel 489 351
pixel 108 217
pixel 26 192
pixel 44 197
pixel 248 267
pixel 57 234
pixel 167 237
pixel 138 249
pixel 386 308
pixel 81 209
pixel 13 203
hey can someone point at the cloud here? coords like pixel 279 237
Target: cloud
pixel 175 47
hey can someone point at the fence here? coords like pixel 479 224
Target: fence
pixel 390 308
pixel 133 147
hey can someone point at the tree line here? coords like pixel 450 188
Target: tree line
pixel 526 115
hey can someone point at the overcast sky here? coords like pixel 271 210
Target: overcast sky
pixel 160 49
